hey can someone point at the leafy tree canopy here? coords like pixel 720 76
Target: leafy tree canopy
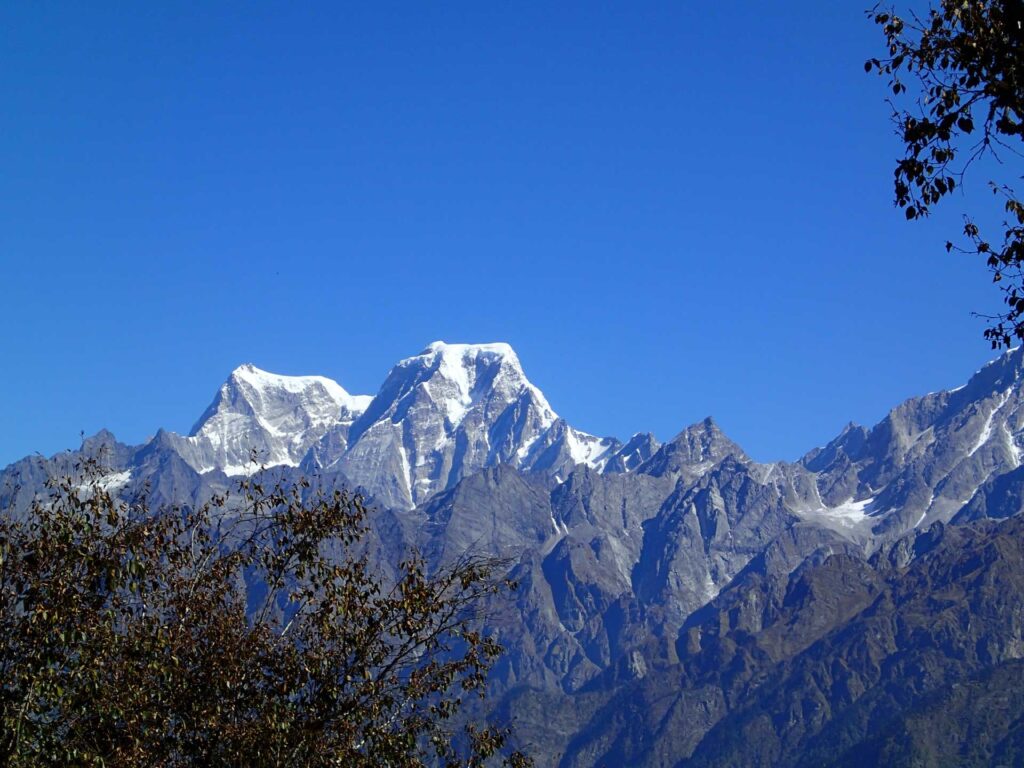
pixel 962 64
pixel 250 631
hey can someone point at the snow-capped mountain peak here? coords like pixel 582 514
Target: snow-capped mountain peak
pixel 280 417
pixel 440 415
pixel 457 375
pixel 318 392
pixel 448 412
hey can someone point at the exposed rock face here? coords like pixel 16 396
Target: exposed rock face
pixel 864 648
pixel 440 416
pixel 451 411
pixel 278 417
pixel 679 603
pixel 928 458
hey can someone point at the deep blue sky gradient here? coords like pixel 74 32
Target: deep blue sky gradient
pixel 669 209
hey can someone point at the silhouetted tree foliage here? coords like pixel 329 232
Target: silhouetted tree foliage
pixel 128 637
pixel 963 61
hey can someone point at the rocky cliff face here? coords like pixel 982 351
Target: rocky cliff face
pixel 930 456
pixel 678 602
pixel 856 651
pixel 439 416
pixel 450 411
pixel 276 418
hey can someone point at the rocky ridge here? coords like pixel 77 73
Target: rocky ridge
pixel 439 416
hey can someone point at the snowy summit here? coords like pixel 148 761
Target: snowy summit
pixel 440 415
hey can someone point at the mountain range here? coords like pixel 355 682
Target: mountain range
pixel 439 416
pixel 679 603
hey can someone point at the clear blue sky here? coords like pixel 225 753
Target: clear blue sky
pixel 669 209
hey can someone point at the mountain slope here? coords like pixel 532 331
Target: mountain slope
pixel 952 613
pixel 278 417
pixel 676 601
pixel 446 413
pixel 440 416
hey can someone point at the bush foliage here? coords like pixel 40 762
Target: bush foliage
pixel 249 631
